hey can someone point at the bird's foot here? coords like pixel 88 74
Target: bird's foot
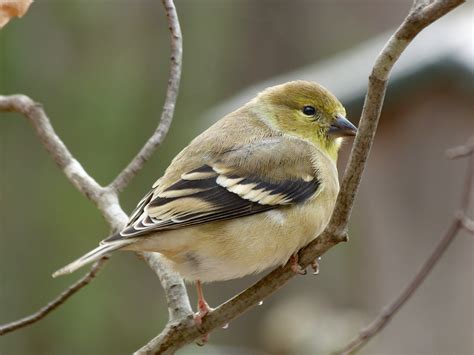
pixel 295 267
pixel 203 310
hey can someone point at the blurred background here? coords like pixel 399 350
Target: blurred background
pixel 100 69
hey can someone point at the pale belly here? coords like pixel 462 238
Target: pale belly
pixel 235 248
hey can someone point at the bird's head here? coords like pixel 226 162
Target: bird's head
pixel 306 110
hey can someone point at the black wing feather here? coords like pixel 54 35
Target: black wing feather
pixel 226 204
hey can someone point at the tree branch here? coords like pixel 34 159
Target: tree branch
pixel 106 198
pixel 389 311
pixel 172 338
pixel 124 178
pixel 51 306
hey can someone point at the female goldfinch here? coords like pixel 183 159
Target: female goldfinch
pixel 247 193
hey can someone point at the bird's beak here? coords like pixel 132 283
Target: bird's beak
pixel 342 127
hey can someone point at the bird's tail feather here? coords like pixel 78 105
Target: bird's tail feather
pixel 92 256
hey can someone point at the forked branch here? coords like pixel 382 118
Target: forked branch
pixel 106 198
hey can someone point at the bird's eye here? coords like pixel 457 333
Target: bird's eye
pixel 309 110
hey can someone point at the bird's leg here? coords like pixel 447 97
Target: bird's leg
pixel 295 267
pixel 203 309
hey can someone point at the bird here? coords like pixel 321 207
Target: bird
pixel 246 194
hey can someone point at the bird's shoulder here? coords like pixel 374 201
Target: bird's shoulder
pixel 238 129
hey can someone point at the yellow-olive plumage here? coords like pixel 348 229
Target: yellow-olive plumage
pixel 247 193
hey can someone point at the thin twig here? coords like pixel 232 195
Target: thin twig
pixel 172 338
pixel 381 321
pixel 388 312
pixel 465 197
pixel 35 114
pixel 51 306
pixel 124 178
pixel 468 224
pixel 462 150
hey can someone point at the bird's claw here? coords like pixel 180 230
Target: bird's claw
pixel 295 267
pixel 315 266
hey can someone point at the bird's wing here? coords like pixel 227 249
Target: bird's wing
pixel 239 182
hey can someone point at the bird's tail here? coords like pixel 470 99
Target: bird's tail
pixel 92 256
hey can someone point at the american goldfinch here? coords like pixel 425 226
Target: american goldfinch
pixel 247 193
